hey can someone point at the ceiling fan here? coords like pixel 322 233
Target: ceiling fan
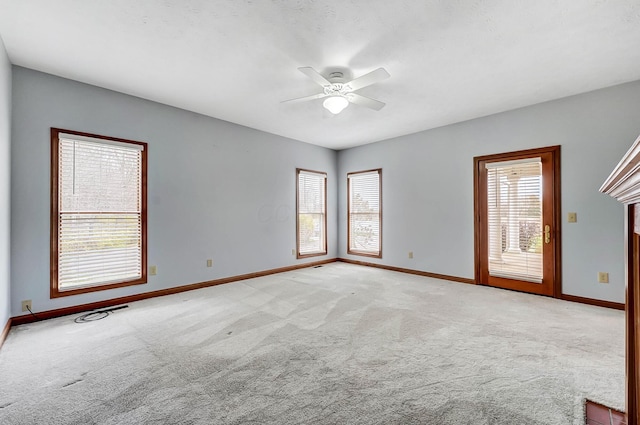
pixel 339 93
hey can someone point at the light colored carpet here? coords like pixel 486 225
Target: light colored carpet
pixel 339 344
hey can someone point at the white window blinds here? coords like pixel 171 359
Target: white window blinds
pixel 364 213
pixel 312 209
pixel 514 201
pixel 99 212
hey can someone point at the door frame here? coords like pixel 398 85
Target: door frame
pixel 479 202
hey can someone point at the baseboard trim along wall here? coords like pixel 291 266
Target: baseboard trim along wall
pixel 5 332
pixel 591 301
pixel 572 298
pixel 50 314
pixel 409 271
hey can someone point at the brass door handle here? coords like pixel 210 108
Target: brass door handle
pixel 547 233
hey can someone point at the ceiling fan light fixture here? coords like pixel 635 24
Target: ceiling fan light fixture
pixel 335 104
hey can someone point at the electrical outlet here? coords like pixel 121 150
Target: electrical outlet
pixel 153 270
pixel 209 262
pixel 603 277
pixel 26 305
pixel 410 254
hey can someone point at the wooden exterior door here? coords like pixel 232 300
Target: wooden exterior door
pixel 517 207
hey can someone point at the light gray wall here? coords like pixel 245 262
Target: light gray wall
pixel 216 190
pixel 222 191
pixel 428 186
pixel 5 185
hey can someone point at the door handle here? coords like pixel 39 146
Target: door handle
pixel 547 233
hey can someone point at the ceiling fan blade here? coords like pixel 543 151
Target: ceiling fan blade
pixel 314 75
pixel 365 101
pixel 304 99
pixel 368 79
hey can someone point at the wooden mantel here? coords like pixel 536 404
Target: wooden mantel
pixel 624 185
pixel 624 182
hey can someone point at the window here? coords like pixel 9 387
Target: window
pixel 312 213
pixel 514 218
pixel 98 212
pixel 364 194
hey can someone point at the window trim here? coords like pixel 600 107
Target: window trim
pixel 55 292
pixel 313 254
pixel 356 252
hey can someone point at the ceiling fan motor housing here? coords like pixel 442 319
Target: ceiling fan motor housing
pixel 336 88
pixel 336 77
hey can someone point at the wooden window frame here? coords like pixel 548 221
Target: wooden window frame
pixel 356 252
pixel 55 212
pixel 324 213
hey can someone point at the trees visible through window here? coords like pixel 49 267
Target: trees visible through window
pixel 98 212
pixel 514 219
pixel 311 213
pixel 365 213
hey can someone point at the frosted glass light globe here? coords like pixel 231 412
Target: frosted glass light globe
pixel 335 104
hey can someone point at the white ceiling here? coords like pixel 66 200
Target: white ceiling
pixel 449 60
